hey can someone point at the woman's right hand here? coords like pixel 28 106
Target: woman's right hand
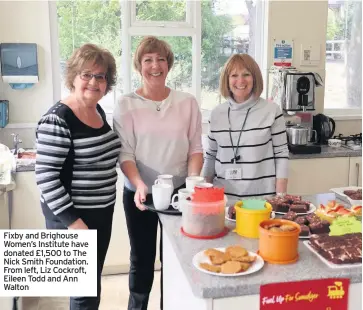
pixel 140 196
pixel 78 224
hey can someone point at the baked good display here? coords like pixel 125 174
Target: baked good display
pixel 309 224
pixel 346 249
pixel 289 203
pixel 354 194
pixel 234 260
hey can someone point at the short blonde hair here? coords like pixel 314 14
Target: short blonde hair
pixel 90 54
pixel 238 61
pixel 152 44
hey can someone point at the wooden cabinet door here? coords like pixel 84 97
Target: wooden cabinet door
pixel 355 171
pixel 317 175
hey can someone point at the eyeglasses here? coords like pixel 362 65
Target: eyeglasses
pixel 86 76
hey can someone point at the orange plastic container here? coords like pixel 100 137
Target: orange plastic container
pixel 248 220
pixel 279 247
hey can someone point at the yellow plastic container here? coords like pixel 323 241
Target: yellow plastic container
pixel 248 220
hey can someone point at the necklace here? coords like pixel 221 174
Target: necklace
pixel 158 104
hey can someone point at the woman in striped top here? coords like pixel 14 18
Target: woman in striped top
pixel 76 156
pixel 247 151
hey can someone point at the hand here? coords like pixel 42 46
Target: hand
pixel 78 224
pixel 140 196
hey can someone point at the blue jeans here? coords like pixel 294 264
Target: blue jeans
pixel 101 220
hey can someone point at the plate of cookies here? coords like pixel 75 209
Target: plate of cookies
pixel 232 261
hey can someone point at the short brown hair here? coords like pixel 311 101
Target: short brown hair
pixel 152 44
pixel 90 54
pixel 241 60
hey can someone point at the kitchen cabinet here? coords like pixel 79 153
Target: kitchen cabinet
pixel 26 210
pixel 355 171
pixel 317 175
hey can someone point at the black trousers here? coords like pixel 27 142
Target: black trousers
pixel 142 228
pixel 101 220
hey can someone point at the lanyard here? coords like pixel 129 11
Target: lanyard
pixel 233 160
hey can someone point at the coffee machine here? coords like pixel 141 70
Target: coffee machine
pixel 294 91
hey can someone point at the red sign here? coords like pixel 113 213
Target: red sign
pixel 325 294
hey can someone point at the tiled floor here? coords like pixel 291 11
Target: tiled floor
pixel 115 295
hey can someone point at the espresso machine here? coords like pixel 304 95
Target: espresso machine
pixel 297 97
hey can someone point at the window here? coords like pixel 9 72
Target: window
pixel 202 34
pixel 343 81
pixel 97 22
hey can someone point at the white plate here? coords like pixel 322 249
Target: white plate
pixel 311 210
pixel 232 220
pixel 330 264
pixel 339 193
pixel 202 258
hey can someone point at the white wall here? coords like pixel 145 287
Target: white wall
pixel 28 21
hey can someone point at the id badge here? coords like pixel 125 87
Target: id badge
pixel 233 173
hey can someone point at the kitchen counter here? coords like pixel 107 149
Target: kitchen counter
pixel 329 152
pixel 204 286
pixel 326 152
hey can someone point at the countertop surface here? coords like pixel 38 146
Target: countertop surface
pixel 308 267
pixel 326 152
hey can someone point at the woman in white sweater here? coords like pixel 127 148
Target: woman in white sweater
pixel 247 151
pixel 160 130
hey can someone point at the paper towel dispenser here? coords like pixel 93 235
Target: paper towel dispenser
pixel 19 63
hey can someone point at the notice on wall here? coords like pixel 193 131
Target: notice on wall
pixel 48 263
pixel 283 51
pixel 322 294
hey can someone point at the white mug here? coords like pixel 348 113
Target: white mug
pixel 182 194
pixel 192 181
pixel 161 196
pixel 165 179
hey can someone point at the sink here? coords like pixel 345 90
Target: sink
pixel 26 158
pixel 27 155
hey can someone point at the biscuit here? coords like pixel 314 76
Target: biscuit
pixel 236 251
pixel 245 266
pixel 276 229
pixel 231 267
pixel 210 267
pixel 213 252
pixel 268 227
pixel 287 227
pixel 219 258
pixel 245 259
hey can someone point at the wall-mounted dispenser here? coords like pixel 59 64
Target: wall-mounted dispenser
pixel 19 64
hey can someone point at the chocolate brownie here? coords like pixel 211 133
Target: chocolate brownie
pixel 313 218
pixel 298 208
pixel 232 213
pixel 336 249
pixel 301 220
pixel 290 216
pixel 318 228
pixel 305 231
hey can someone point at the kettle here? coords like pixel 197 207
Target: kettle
pixel 297 135
pixel 324 126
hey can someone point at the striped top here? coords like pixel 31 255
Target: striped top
pixel 158 142
pixel 263 152
pixel 75 164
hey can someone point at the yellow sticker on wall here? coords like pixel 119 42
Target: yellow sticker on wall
pixel 345 225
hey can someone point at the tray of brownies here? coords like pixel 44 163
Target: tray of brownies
pixel 337 251
pixel 310 224
pixel 284 204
